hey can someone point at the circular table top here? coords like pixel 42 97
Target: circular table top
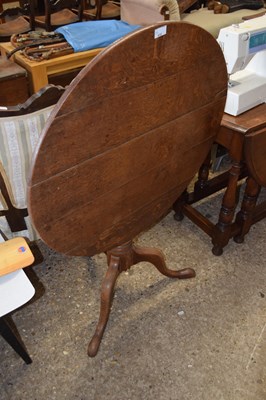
pixel 127 137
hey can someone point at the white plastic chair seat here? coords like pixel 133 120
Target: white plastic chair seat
pixel 15 287
pixel 15 290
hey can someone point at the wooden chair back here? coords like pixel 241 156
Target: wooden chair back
pixel 59 13
pixel 16 20
pixel 101 9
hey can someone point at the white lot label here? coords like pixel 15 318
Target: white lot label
pixel 160 31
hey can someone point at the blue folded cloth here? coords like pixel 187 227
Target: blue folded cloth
pixel 95 34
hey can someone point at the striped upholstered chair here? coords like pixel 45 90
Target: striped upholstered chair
pixel 20 129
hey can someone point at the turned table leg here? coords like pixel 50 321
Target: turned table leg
pixel 178 206
pixel 244 216
pixel 199 186
pixel 203 175
pixel 222 231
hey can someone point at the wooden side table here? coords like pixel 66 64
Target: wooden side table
pixel 243 136
pixel 40 70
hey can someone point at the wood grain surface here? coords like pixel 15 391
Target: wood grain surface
pixel 255 155
pixel 126 138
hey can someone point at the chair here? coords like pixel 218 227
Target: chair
pixel 2 2
pixel 101 9
pixel 15 288
pixel 145 12
pixel 59 13
pixel 20 128
pixel 16 20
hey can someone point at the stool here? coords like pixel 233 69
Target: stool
pixel 14 86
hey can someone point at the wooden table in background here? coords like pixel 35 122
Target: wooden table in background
pixel 40 70
pixel 244 137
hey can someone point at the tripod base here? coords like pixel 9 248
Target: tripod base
pixel 120 259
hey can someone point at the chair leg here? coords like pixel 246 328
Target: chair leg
pixel 13 341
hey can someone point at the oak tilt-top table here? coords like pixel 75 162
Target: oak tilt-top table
pixel 122 144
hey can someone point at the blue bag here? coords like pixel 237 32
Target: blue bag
pixel 84 36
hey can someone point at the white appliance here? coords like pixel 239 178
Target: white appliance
pixel 244 48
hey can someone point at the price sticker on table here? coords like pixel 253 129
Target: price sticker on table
pixel 158 32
